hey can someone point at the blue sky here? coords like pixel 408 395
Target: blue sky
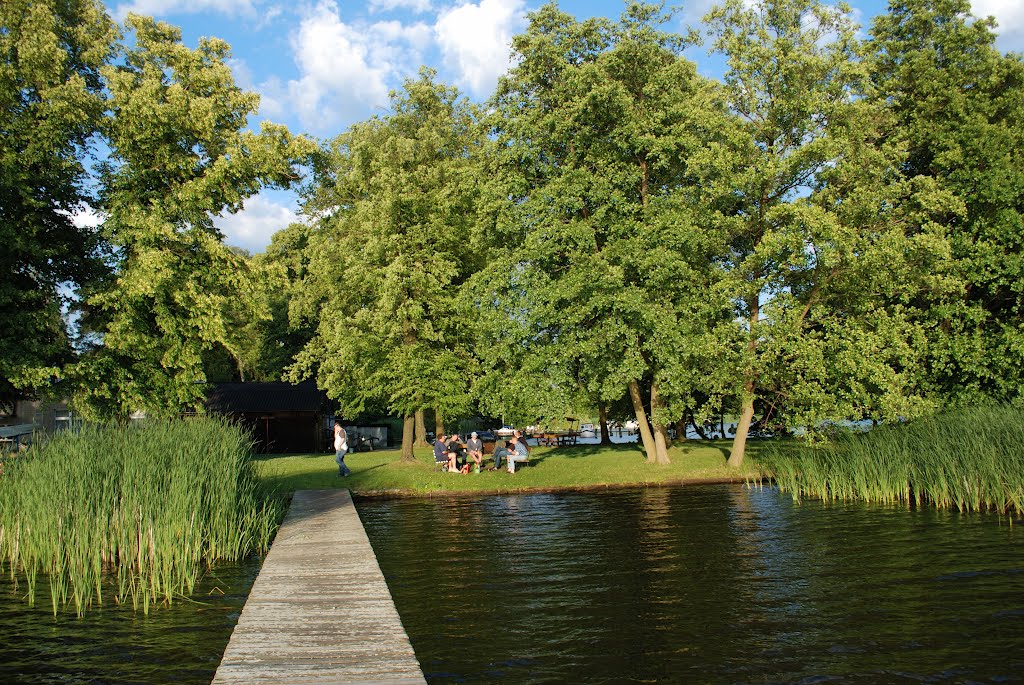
pixel 321 65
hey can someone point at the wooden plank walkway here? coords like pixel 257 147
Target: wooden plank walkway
pixel 320 610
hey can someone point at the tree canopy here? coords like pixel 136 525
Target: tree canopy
pixel 51 103
pixel 395 201
pixel 831 231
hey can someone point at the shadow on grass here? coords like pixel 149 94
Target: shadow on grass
pixel 290 455
pixel 632 448
pixel 576 451
pixel 325 479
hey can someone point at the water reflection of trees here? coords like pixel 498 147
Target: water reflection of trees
pixel 709 584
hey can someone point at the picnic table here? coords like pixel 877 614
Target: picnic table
pixel 557 438
pixel 14 437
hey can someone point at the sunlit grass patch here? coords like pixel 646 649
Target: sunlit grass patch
pixel 582 466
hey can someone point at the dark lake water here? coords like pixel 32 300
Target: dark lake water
pixel 716 584
pixel 182 643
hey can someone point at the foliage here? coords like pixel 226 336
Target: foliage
pixel 178 157
pixel 833 232
pixel 395 201
pixel 971 459
pixel 957 106
pixel 136 512
pixel 260 349
pixel 51 100
pixel 600 280
pixel 275 342
pixel 812 243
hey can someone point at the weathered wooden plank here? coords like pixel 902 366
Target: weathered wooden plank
pixel 320 610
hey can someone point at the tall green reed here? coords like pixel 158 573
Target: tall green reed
pixel 136 511
pixel 970 459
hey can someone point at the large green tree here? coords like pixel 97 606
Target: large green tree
pixel 179 156
pixel 957 105
pixel 604 279
pixel 51 102
pixel 814 251
pixel 395 201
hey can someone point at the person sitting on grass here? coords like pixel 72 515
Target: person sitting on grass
pixel 518 452
pixel 441 450
pixel 475 449
pixel 456 454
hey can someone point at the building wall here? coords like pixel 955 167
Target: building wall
pixel 49 416
pixel 284 432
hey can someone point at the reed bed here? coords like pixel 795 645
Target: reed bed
pixel 971 459
pixel 132 513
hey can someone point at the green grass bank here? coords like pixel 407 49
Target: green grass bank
pixel 132 514
pixel 552 468
pixel 971 460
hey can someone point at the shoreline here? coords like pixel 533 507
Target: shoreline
pixel 409 493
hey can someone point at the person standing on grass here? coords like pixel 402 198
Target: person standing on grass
pixel 340 448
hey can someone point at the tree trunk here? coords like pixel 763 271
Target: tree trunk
pixel 739 443
pixel 681 428
pixel 606 437
pixel 438 424
pixel 421 430
pixel 660 433
pixel 641 420
pixel 407 437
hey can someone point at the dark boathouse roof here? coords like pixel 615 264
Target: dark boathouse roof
pixel 249 398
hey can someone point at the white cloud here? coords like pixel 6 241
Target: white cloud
pixel 346 69
pixel 475 40
pixel 1010 15
pixel 241 73
pixel 86 217
pixel 269 16
pixel 387 5
pixel 273 100
pixel 253 227
pixel 693 12
pixel 160 8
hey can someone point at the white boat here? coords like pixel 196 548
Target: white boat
pixel 505 431
pixel 587 430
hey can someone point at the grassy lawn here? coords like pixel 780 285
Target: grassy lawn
pixel 382 472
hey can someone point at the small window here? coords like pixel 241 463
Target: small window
pixel 62 419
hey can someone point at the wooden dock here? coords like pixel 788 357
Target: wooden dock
pixel 320 611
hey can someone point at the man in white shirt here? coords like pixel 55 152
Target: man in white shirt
pixel 340 449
